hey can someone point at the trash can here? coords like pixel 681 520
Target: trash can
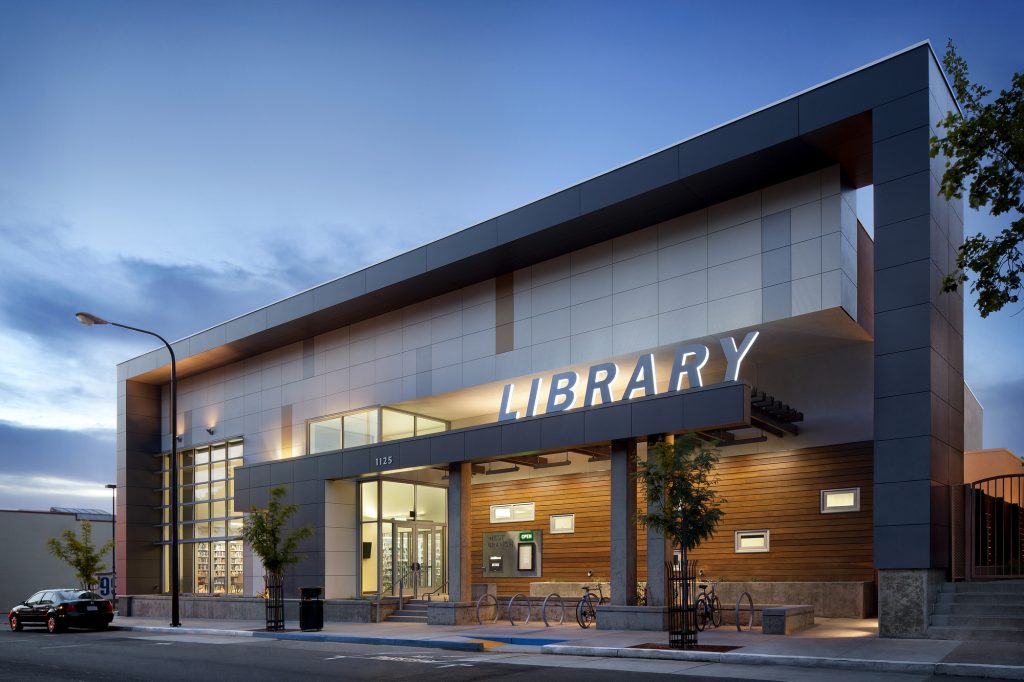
pixel 311 608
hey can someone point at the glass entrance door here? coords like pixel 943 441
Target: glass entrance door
pixel 421 542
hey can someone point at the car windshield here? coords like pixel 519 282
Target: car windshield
pixel 75 595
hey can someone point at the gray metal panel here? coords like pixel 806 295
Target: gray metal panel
pixel 903 242
pixel 606 423
pixel 402 267
pixel 900 115
pixel 661 414
pixel 895 157
pixel 637 178
pixel 259 476
pixel 484 441
pixel 305 468
pixel 414 453
pixel 290 309
pixel 863 90
pixel 329 466
pixel 464 244
pixel 355 462
pixel 538 215
pixel 904 372
pixel 340 290
pixel 520 436
pixel 564 432
pixel 902 546
pixel 748 135
pixel 449 447
pixel 281 473
pixel 717 406
pixel 903 416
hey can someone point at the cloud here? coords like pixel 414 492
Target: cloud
pixel 43 468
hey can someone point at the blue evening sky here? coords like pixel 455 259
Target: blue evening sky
pixel 174 164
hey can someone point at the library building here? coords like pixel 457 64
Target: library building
pixel 476 407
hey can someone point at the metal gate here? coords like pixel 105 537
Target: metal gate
pixel 994 528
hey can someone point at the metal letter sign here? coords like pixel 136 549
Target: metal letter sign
pixel 565 388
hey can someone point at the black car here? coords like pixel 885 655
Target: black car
pixel 61 609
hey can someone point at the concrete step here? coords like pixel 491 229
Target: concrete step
pixel 975 634
pixel 1010 622
pixel 978 609
pixel 406 619
pixel 956 598
pixel 410 612
pixel 981 587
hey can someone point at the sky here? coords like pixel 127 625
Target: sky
pixel 171 165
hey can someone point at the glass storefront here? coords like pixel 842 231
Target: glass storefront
pixel 209 528
pixel 365 427
pixel 402 524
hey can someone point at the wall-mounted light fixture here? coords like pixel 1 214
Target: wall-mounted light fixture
pixel 180 437
pixel 210 430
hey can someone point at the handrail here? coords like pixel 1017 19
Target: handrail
pixel 442 586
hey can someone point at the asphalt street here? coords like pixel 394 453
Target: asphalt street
pixel 35 654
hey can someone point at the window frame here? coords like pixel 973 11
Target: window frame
pixel 738 549
pixel 855 507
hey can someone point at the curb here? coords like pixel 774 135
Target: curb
pixel 312 637
pixel 1002 672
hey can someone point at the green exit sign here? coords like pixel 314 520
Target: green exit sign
pixel 526 536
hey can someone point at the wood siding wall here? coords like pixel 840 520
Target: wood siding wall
pixel 779 491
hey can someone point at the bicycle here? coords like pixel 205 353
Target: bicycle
pixel 586 610
pixel 708 606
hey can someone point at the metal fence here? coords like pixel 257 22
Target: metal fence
pixel 995 525
pixel 682 611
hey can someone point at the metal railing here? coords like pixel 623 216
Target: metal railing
pixel 995 527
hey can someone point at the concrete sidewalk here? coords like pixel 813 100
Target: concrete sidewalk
pixel 843 644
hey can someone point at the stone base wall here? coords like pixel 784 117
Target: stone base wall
pixel 451 613
pixel 852 599
pixel 631 618
pixel 246 608
pixel 906 598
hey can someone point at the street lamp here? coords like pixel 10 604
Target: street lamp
pixel 112 487
pixel 88 320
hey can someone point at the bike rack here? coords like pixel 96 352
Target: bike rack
pixel 512 602
pixel 750 601
pixel 544 609
pixel 479 603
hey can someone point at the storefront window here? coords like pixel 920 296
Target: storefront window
pixel 210 549
pixel 410 528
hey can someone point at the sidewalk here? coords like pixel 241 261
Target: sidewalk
pixel 835 643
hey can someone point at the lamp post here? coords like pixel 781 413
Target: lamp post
pixel 113 537
pixel 88 320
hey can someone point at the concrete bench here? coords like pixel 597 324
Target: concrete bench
pixel 785 620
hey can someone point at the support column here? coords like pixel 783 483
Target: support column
pixel 460 532
pixel 623 522
pixel 659 549
pixel 918 385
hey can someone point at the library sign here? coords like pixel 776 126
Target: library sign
pixel 565 389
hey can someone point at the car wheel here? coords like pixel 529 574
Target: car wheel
pixel 52 624
pixel 16 625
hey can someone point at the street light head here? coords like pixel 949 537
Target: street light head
pixel 88 319
pixel 112 486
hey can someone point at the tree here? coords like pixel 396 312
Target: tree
pixel 984 148
pixel 264 531
pixel 79 553
pixel 683 504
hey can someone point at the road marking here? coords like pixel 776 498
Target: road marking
pixel 64 646
pixel 414 658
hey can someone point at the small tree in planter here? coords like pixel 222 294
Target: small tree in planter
pixel 79 553
pixel 264 531
pixel 680 483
